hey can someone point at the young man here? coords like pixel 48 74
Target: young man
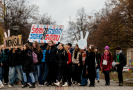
pixel 121 62
pixel 70 48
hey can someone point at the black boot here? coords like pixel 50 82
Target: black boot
pixel 33 85
pixel 25 85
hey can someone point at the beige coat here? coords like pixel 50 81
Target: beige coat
pixel 75 61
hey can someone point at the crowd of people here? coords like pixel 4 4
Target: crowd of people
pixel 57 64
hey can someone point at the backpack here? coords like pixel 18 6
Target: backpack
pixel 34 55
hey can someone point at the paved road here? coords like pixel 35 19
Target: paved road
pixel 99 86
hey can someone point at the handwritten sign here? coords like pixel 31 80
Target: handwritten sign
pixel 44 33
pixel 13 41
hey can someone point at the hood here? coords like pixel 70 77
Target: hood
pixel 118 53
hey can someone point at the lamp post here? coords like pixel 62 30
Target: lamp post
pixel 15 28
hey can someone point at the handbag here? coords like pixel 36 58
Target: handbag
pixel 104 62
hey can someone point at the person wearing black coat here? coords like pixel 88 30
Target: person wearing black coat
pixel 52 62
pixel 121 62
pixel 62 58
pixel 15 66
pixel 38 66
pixel 98 59
pixel 90 65
pixel 28 66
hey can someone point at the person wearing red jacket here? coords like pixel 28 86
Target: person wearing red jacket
pixel 106 64
pixel 69 65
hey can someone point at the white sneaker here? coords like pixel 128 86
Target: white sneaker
pixel 29 84
pixel 79 84
pixel 10 86
pixel 1 86
pixel 65 85
pixel 57 84
pixel 40 85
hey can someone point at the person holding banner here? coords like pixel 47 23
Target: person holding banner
pixel 52 62
pixel 38 66
pixel 28 66
pixel 15 66
pixel 90 65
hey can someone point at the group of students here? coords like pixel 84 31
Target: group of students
pixel 58 65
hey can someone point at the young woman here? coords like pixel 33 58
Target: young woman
pixel 90 65
pixel 28 66
pixel 106 64
pixel 75 60
pixel 69 65
pixel 98 59
pixel 62 58
pixel 38 66
pixel 51 62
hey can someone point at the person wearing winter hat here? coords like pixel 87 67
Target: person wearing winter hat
pixel 106 64
pixel 121 62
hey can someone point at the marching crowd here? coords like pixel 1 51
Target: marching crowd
pixel 57 64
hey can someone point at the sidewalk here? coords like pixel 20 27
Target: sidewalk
pixel 99 86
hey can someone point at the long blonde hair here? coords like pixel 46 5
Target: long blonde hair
pixel 66 48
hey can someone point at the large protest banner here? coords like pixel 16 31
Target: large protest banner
pixel 14 41
pixel 44 33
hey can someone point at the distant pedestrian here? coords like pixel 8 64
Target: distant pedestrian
pixel 106 64
pixel 121 62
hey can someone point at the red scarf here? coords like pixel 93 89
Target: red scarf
pixel 106 55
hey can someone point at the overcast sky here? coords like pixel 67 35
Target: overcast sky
pixel 61 10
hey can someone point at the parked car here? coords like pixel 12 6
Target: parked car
pixel 131 69
pixel 126 69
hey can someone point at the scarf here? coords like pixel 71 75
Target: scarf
pixel 75 56
pixel 106 55
pixel 117 55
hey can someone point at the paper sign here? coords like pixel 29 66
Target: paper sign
pixel 14 41
pixel 5 34
pixel 8 33
pixel 44 33
pixel 83 42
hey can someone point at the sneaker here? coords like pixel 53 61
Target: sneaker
pixel 65 85
pixel 1 86
pixel 79 84
pixel 76 83
pixel 29 84
pixel 57 84
pixel 10 86
pixel 40 85
pixel 5 83
pixel 120 84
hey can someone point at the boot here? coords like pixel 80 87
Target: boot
pixel 25 85
pixel 33 85
pixel 65 85
pixel 120 84
pixel 57 84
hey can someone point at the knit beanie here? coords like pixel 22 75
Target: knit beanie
pixel 107 48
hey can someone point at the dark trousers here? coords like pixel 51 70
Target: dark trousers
pixel 92 80
pixel 120 76
pixel 6 71
pixel 107 77
pixel 52 74
pixel 62 74
pixel 75 72
pixel 69 74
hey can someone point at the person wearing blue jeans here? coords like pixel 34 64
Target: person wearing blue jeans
pixel 38 66
pixel 28 66
pixel 98 59
pixel 45 66
pixel 12 74
pixel 15 65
